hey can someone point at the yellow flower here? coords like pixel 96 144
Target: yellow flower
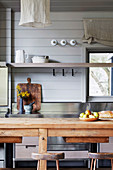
pixel 22 94
pixel 27 94
pixel 18 88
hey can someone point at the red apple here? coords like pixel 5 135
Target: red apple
pixel 88 112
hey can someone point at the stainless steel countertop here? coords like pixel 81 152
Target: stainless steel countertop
pixel 38 115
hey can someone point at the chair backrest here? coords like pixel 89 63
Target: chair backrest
pixel 48 156
pixel 101 155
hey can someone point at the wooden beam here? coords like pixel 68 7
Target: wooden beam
pixel 80 133
pixel 10 139
pixel 19 132
pixel 86 140
pixel 43 147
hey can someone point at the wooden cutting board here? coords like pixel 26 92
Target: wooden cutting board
pixel 35 95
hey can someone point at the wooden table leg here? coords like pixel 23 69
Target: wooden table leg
pixel 91 164
pixel 112 164
pixel 43 147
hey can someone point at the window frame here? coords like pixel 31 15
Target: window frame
pixel 87 51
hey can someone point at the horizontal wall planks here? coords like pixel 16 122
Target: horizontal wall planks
pixel 80 4
pixel 49 50
pixel 66 59
pixel 65 25
pixel 5 42
pixel 53 88
pixel 4 14
pixel 52 85
pixel 42 70
pixel 5 35
pixel 58 96
pixel 38 42
pixel 45 75
pixel 55 25
pixel 62 59
pixel 64 5
pixel 47 34
pixel 85 9
pixel 73 16
pixel 4 51
pixel 4 24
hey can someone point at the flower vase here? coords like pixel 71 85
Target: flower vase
pixel 21 105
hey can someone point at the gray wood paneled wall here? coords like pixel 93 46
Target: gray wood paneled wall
pixel 65 25
pixel 57 88
pixel 5 35
pixel 67 5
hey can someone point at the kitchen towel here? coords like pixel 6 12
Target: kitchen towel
pixel 35 13
pixel 98 30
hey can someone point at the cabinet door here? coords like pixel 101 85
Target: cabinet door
pixel 3 86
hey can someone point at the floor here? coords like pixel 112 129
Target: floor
pixel 52 169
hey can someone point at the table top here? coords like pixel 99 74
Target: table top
pixel 53 123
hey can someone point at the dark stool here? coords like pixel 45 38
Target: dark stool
pixel 95 156
pixel 48 156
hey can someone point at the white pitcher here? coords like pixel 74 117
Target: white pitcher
pixel 20 56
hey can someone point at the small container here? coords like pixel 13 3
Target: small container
pixel 28 109
pixel 28 58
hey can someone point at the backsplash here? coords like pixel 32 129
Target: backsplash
pixel 69 108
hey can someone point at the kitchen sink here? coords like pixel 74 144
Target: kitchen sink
pixel 74 115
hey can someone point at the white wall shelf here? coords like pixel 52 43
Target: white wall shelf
pixel 59 65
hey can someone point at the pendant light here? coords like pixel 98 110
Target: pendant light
pixel 35 13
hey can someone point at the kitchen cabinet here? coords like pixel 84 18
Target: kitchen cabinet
pixel 4 86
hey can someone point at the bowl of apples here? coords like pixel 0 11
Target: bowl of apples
pixel 89 116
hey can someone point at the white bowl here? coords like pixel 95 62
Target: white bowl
pixel 40 59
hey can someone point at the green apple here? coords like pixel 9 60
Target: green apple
pixel 82 114
pixel 85 116
pixel 96 114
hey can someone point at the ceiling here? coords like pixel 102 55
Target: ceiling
pixel 67 5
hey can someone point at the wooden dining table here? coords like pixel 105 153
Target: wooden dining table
pixel 72 129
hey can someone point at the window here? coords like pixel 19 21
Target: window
pixel 100 79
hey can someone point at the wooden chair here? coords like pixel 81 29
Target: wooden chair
pixel 95 156
pixel 48 156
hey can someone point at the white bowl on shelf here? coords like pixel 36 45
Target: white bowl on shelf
pixel 40 59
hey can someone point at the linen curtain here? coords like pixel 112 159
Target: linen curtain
pixel 98 30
